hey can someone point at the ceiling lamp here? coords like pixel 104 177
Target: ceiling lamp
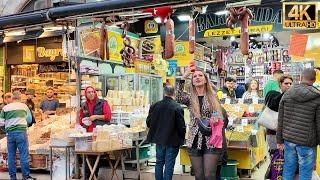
pixel 158 20
pixel 15 33
pixel 266 36
pixel 184 17
pixel 244 3
pixel 232 38
pixel 223 12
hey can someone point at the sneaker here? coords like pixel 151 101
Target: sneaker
pixel 29 178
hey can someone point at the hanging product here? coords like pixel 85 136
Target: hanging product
pixel 244 15
pixel 169 44
pixel 128 52
pixel 192 36
pixel 104 49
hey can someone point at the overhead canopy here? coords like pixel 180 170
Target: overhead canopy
pixel 43 16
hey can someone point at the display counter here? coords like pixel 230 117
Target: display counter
pixel 245 138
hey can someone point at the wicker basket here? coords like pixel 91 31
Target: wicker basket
pixel 38 161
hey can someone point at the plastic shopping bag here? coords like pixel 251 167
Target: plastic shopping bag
pixel 276 166
pixel 216 137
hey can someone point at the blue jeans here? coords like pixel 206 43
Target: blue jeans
pixel 298 156
pixel 18 140
pixel 166 156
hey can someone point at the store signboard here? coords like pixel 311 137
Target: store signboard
pixel 41 50
pixel 116 45
pixel 28 54
pixel 151 26
pixel 300 15
pixel 298 43
pixel 199 52
pixel 265 17
pixel 151 45
pixel 49 50
pixel 237 31
pixel 52 54
pixel 181 53
pixel 90 41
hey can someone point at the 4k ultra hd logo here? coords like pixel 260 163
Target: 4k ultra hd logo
pixel 300 15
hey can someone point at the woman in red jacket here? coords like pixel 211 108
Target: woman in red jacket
pixel 94 111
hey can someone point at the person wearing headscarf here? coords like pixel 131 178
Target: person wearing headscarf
pixel 94 111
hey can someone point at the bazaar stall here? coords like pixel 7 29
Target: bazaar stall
pixel 51 131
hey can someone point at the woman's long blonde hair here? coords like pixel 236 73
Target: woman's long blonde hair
pixel 258 87
pixel 210 95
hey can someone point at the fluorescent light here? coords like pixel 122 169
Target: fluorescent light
pixel 16 33
pixel 53 28
pixel 232 38
pixel 184 17
pixel 251 37
pixel 223 12
pixel 135 14
pixel 244 3
pixel 158 20
pixel 204 9
pixel 266 35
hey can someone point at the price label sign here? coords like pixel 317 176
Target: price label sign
pixel 300 15
pixel 244 122
pixel 228 101
pixel 239 128
pixel 255 101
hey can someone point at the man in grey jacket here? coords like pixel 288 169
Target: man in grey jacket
pixel 298 130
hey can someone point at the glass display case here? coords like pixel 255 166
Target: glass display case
pixel 150 84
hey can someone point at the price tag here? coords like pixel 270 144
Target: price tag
pixel 224 95
pixel 244 122
pixel 255 101
pixel 237 109
pixel 240 101
pixel 230 123
pixel 228 101
pixel 239 129
pixel 251 109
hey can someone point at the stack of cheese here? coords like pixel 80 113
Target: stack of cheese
pixel 127 100
pixel 111 137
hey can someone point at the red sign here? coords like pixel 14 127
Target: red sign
pixel 298 43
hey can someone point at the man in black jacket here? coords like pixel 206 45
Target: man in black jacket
pixel 298 129
pixel 167 130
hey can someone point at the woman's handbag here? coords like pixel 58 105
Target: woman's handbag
pixel 204 127
pixel 268 118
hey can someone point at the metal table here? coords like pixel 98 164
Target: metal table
pixel 67 149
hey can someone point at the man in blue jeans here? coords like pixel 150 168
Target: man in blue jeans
pixel 15 116
pixel 167 130
pixel 298 132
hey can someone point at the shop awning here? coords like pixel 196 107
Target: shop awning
pixel 38 17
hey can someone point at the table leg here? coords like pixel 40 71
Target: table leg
pixel 92 175
pixel 138 157
pixel 66 163
pixel 83 166
pixel 51 159
pixel 69 159
pixel 123 167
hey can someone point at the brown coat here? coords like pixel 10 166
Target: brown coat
pixel 185 98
